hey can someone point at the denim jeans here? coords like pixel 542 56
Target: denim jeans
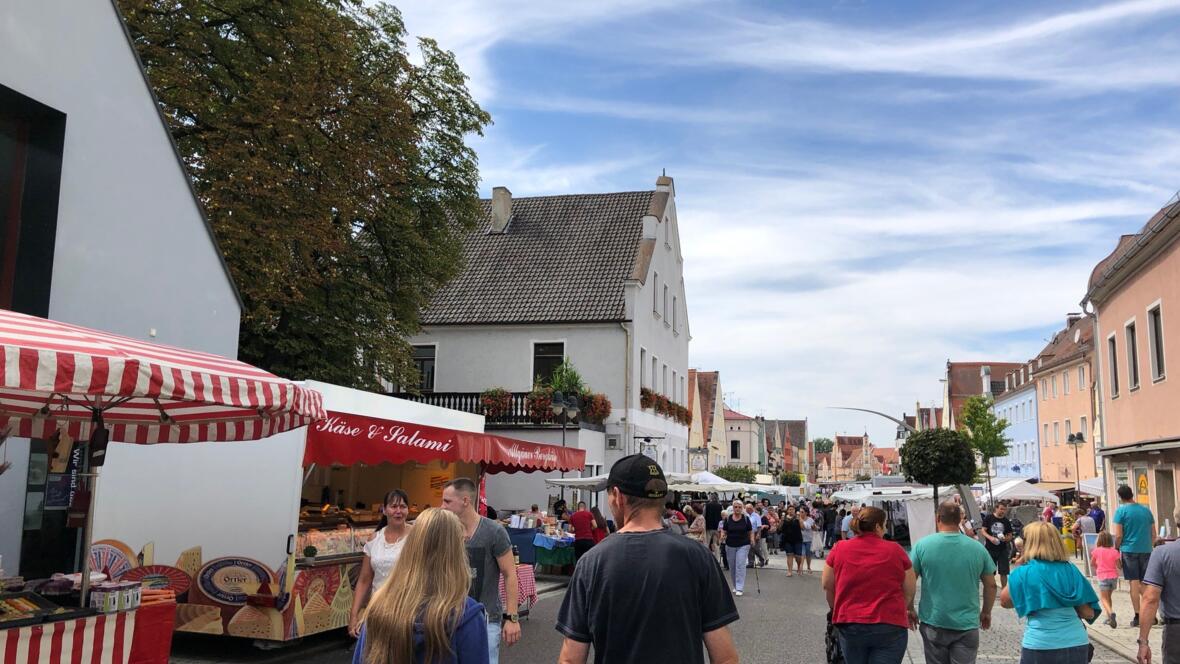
pixel 737 565
pixel 1074 655
pixel 872 644
pixel 493 643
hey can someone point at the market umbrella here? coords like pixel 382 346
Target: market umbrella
pixel 96 386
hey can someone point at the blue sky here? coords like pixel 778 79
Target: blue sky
pixel 864 189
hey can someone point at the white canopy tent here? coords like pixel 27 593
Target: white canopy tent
pixel 1018 490
pixel 1093 487
pixel 598 482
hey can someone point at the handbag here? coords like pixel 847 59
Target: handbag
pixel 832 643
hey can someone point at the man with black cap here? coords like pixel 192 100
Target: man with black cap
pixel 628 595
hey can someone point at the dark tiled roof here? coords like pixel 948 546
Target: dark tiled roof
pixel 561 259
pixel 1063 349
pixel 797 430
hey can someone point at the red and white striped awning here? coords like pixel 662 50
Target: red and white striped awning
pixel 54 375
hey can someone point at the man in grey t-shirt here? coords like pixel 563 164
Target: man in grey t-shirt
pixel 1161 586
pixel 490 553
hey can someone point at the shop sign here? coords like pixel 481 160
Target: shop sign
pixel 347 438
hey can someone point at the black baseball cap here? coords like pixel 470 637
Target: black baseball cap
pixel 638 475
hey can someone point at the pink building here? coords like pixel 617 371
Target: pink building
pixel 1132 292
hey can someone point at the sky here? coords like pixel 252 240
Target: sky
pixel 864 189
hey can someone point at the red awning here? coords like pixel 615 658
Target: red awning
pixel 348 439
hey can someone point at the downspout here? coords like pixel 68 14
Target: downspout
pixel 627 392
pixel 1098 399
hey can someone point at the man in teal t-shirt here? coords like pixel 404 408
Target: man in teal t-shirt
pixel 951 567
pixel 1132 528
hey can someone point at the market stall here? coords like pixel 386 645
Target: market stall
pixel 82 389
pixel 257 508
pixel 1017 490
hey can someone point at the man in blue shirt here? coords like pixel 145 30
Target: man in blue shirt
pixel 759 549
pixel 846 523
pixel 1132 527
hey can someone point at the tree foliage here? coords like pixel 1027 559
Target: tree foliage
pixel 791 479
pixel 938 457
pixel 735 474
pixel 334 170
pixel 823 445
pixel 985 432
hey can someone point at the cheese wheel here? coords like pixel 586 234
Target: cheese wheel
pixel 200 618
pixel 254 622
pixel 190 561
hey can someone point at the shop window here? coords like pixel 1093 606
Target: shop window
pixel 424 363
pixel 1132 356
pixel 546 357
pixel 1155 337
pixel 31 140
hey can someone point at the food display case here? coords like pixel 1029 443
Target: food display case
pixel 335 533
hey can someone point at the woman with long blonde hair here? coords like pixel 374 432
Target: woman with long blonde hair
pixel 1050 591
pixel 422 613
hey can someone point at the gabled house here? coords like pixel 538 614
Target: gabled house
pixel 99 226
pixel 742 438
pixel 964 380
pixel 1018 406
pixel 712 417
pixel 800 446
pixel 595 279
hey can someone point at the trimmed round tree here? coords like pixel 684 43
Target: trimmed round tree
pixel 938 456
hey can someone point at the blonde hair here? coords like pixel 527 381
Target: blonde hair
pixel 1042 542
pixel 430 587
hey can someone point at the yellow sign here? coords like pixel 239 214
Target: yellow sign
pixel 1141 494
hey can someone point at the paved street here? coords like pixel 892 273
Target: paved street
pixel 782 625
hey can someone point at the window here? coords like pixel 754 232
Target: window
pixel 655 366
pixel 735 449
pixel 655 293
pixel 675 315
pixel 1054 380
pixel 1112 353
pixel 424 363
pixel 665 304
pixel 675 387
pixel 1026 410
pixel 1082 428
pixel 1065 381
pixel 1082 377
pixel 1132 357
pixel 643 367
pixel 1057 433
pixel 1045 438
pixel 664 381
pixel 546 357
pixel 1068 429
pixel 1155 339
pixel 1044 389
pixel 31 140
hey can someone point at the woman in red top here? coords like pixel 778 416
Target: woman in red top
pixel 600 525
pixel 582 522
pixel 870 582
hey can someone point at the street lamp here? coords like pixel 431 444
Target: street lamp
pixel 1076 440
pixel 565 409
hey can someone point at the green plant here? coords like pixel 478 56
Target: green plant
pixel 791 479
pixel 985 432
pixel 937 457
pixel 495 402
pixel 595 407
pixel 736 474
pixel 566 379
pixel 309 551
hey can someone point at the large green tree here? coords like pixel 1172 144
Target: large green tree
pixel 334 170
pixel 823 445
pixel 985 432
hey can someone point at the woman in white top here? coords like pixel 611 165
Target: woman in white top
pixel 381 553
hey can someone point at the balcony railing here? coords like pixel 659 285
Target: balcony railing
pixel 516 415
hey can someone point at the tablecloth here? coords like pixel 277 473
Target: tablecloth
pixel 543 541
pixel 526 587
pixel 140 636
pixel 560 556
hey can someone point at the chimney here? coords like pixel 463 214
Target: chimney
pixel 985 376
pixel 501 209
pixel 1072 318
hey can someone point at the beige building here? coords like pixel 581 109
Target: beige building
pixel 1063 375
pixel 1132 292
pixel 708 424
pixel 742 440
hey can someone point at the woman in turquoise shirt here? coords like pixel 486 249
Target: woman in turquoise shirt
pixel 1055 598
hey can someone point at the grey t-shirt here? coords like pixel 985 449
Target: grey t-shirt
pixel 1163 571
pixel 487 543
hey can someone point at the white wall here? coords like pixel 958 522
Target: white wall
pixel 12 503
pixel 132 252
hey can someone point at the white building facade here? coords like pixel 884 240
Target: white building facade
pixel 593 278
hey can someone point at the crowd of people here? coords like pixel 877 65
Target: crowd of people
pixel 435 584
